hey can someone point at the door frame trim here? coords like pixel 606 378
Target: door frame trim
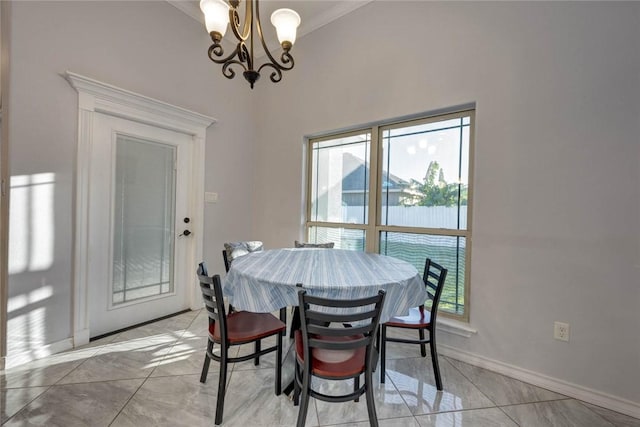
pixel 5 34
pixel 98 97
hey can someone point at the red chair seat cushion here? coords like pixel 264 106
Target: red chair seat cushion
pixel 333 363
pixel 244 326
pixel 417 319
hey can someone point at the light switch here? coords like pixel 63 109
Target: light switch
pixel 210 197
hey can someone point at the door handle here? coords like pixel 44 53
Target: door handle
pixel 185 233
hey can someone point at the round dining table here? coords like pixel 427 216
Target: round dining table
pixel 266 281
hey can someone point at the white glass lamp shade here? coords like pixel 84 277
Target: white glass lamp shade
pixel 286 22
pixel 216 15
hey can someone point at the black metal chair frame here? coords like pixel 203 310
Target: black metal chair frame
pixel 317 333
pixel 213 299
pixel 432 272
pixel 227 264
pixel 325 245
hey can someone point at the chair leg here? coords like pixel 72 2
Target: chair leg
pixel 295 322
pixel 304 402
pixel 207 361
pixel 296 384
pixel 283 319
pixel 383 352
pixel 222 384
pixel 434 359
pixel 256 361
pixel 377 348
pixel 356 386
pixel 423 346
pixel 279 365
pixel 371 404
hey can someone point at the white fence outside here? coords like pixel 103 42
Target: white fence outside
pixel 413 216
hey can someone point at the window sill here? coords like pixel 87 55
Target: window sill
pixel 455 327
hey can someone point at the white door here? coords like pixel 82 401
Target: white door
pixel 138 224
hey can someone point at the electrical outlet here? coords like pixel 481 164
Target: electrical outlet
pixel 561 331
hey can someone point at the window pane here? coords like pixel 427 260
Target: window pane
pixel 448 251
pixel 344 238
pixel 340 179
pixel 421 186
pixel 143 220
pixel 425 175
pixel 425 127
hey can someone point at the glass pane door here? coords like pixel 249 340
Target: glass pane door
pixel 144 218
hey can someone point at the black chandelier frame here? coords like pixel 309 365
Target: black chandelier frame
pixel 243 55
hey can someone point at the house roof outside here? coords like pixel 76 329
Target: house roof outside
pixel 353 182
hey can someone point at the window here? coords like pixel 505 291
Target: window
pixel 416 203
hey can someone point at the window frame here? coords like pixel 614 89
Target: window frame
pixel 373 227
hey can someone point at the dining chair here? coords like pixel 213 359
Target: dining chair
pixel 327 245
pixel 326 349
pixel 233 250
pixel 228 330
pixel 419 319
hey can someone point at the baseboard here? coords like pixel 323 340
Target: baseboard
pixel 455 327
pixel 559 386
pixel 81 337
pixel 21 358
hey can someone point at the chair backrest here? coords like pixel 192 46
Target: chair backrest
pixel 211 288
pixel 235 250
pixel 327 245
pixel 434 276
pixel 316 323
pixel 227 264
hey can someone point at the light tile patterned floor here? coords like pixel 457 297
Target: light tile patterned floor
pixel 149 376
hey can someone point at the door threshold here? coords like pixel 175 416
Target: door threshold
pixel 108 334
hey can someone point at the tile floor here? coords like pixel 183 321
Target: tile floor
pixel 149 376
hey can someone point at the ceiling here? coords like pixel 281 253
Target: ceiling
pixel 313 13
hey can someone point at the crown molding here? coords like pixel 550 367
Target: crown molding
pixel 105 98
pixel 190 8
pixel 308 25
pixel 331 14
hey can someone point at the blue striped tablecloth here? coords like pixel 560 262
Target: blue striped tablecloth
pixel 266 281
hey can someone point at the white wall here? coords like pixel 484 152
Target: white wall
pixel 557 164
pixel 147 47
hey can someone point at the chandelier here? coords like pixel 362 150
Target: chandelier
pixel 219 14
